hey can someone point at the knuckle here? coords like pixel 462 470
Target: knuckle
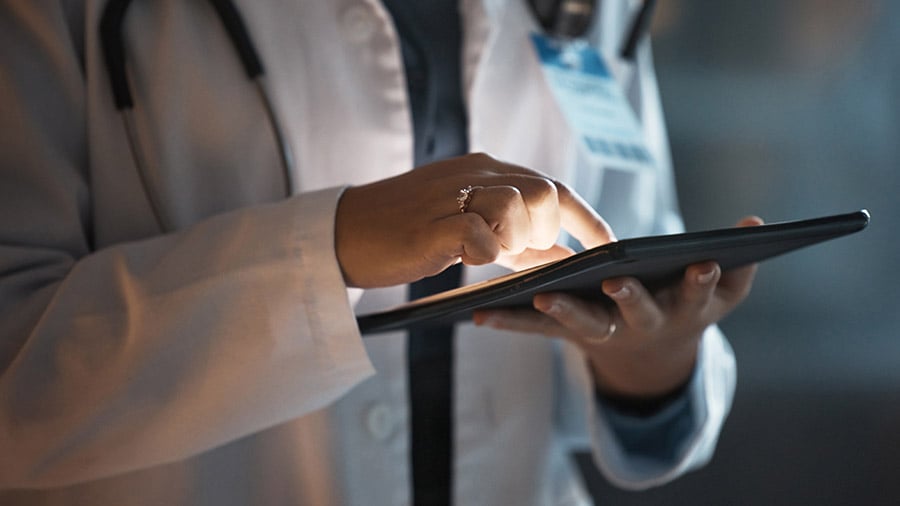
pixel 539 190
pixel 479 243
pixel 509 198
pixel 503 210
pixel 472 225
pixel 481 158
pixel 547 190
pixel 562 191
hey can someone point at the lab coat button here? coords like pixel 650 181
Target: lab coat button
pixel 380 422
pixel 357 23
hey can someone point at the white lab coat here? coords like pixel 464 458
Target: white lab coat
pixel 220 364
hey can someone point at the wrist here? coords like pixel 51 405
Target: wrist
pixel 647 375
pixel 643 406
pixel 347 234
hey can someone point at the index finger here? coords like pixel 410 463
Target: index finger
pixel 576 216
pixel 581 220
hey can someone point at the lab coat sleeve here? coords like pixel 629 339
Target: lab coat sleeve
pixel 152 351
pixel 710 396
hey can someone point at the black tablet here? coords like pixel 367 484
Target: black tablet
pixel 655 260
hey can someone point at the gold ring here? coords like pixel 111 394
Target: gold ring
pixel 610 330
pixel 465 196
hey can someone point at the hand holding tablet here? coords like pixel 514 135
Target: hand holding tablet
pixel 655 261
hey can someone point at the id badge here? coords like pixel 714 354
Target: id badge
pixel 593 104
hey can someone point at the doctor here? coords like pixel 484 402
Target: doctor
pixel 174 330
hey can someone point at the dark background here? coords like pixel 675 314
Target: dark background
pixel 791 110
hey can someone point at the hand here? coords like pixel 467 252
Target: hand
pixel 646 345
pixel 402 229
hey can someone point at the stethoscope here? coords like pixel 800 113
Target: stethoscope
pixel 559 18
pixel 572 19
pixel 113 46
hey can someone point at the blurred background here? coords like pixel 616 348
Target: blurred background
pixel 791 110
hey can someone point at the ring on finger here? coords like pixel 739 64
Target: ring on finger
pixel 464 197
pixel 602 338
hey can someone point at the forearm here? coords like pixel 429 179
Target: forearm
pixel 150 352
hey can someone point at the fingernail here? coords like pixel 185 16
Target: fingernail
pixel 620 292
pixel 706 277
pixel 550 307
pixel 484 320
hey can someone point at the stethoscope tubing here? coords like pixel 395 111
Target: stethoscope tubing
pixel 113 48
